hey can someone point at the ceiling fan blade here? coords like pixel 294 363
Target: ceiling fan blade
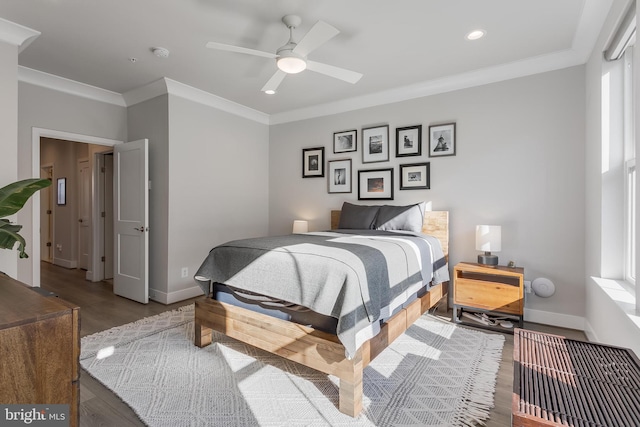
pixel 274 81
pixel 339 73
pixel 318 35
pixel 238 49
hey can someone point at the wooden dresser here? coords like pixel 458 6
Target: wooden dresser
pixel 39 348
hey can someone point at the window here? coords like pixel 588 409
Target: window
pixel 629 166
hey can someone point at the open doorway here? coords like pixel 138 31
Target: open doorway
pixel 71 227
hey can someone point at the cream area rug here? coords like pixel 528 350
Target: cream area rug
pixel 435 374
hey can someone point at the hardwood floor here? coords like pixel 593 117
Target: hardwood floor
pixel 100 309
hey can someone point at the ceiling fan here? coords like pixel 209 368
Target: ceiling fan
pixel 292 57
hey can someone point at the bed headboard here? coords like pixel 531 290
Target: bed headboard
pixel 435 223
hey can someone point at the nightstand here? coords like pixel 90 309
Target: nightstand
pixel 497 291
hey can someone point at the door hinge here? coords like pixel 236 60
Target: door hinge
pixel 103 214
pixel 102 169
pixel 102 259
pixel 49 212
pixel 48 244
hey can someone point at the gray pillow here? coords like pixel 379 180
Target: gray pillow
pixel 406 218
pixel 360 217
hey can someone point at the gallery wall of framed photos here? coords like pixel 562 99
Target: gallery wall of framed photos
pixel 373 149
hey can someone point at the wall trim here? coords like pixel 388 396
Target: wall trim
pixel 554 319
pixel 16 34
pixel 175 296
pixel 66 263
pixel 72 87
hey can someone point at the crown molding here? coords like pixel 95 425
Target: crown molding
pixel 526 67
pixel 61 84
pixel 168 86
pixel 146 92
pixel 200 96
pixel 16 34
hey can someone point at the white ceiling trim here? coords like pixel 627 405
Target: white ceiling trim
pixel 594 14
pixel 61 84
pixel 16 34
pixel 215 101
pixel 480 77
pixel 144 93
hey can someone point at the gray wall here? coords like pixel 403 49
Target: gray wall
pixel 218 186
pixel 519 163
pixel 150 120
pixel 49 109
pixel 209 175
pixel 8 135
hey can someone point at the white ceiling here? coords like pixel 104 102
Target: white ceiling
pixel 403 46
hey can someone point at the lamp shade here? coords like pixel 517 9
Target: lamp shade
pixel 300 226
pixel 488 238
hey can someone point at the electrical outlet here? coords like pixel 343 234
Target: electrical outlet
pixel 185 272
pixel 527 286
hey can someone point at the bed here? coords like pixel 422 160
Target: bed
pixel 360 330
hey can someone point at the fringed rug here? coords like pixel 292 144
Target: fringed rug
pixel 435 374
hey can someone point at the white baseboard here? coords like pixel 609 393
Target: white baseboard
pixel 66 263
pixel 554 319
pixel 590 332
pixel 177 296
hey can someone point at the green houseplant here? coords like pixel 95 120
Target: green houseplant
pixel 12 199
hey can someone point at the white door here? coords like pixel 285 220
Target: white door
pixel 84 213
pixel 108 216
pixel 46 216
pixel 131 220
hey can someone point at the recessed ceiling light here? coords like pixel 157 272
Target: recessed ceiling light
pixel 476 34
pixel 270 92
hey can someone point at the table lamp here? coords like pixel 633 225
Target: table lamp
pixel 488 239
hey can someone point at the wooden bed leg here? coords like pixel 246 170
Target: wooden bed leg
pixel 351 388
pixel 203 335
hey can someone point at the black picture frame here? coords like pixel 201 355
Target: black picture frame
pixel 62 191
pixel 313 162
pixel 442 140
pixel 345 141
pixel 375 184
pixel 339 176
pixel 415 176
pixel 409 141
pixel 375 144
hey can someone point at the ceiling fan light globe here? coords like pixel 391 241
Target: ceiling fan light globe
pixel 291 63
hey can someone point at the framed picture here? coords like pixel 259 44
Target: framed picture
pixel 442 140
pixel 415 176
pixel 375 184
pixel 409 141
pixel 313 162
pixel 339 176
pixel 346 141
pixel 62 191
pixel 375 144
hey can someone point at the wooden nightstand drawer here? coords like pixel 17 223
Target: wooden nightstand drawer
pixel 488 295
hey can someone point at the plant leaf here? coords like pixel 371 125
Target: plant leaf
pixel 9 237
pixel 15 195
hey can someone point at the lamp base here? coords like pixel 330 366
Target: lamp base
pixel 488 259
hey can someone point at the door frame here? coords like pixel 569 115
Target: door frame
pixel 51 218
pixel 36 135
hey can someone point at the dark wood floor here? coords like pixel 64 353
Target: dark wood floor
pixel 100 309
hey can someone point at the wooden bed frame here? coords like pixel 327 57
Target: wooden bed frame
pixel 316 349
